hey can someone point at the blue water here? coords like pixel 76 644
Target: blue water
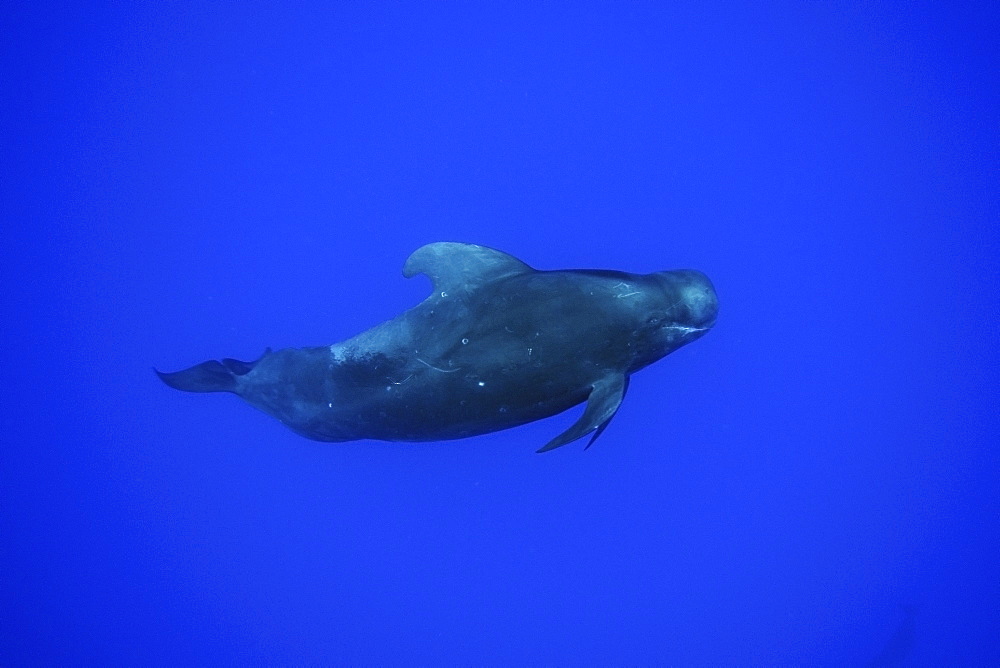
pixel 815 482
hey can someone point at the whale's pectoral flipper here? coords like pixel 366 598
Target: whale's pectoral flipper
pixel 605 398
pixel 210 376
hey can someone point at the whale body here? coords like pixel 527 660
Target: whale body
pixel 497 344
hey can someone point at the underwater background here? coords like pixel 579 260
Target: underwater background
pixel 814 482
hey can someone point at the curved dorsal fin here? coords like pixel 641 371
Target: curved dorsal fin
pixel 458 267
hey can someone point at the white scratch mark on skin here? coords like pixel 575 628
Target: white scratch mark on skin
pixel 622 285
pixel 436 368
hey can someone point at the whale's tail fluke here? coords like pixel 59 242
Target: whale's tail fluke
pixel 210 376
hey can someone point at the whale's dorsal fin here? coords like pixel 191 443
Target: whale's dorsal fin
pixel 456 267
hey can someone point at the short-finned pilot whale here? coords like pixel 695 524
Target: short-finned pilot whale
pixel 497 344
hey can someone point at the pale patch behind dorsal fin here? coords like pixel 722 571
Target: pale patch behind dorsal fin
pixel 456 268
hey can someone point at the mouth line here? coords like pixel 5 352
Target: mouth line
pixel 685 329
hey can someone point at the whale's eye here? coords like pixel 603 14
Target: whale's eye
pixel 653 321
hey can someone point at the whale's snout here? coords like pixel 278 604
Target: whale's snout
pixel 696 305
pixel 699 295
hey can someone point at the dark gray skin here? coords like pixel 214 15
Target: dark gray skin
pixel 496 345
